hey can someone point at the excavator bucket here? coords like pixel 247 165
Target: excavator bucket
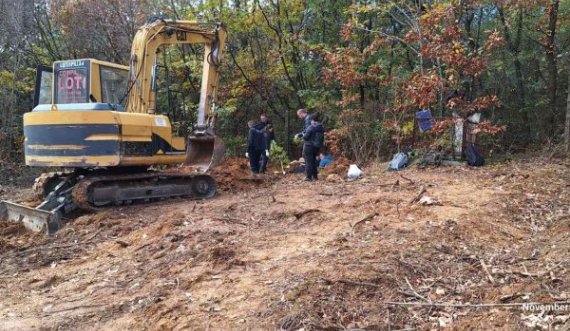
pixel 204 151
pixel 36 220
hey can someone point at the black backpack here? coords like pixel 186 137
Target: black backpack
pixel 318 139
pixel 473 157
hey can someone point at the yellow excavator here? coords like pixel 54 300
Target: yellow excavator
pixel 99 121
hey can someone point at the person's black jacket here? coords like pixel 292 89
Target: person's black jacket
pixel 255 141
pixel 314 133
pixel 260 125
pixel 269 136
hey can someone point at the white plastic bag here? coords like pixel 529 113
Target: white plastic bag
pixel 354 172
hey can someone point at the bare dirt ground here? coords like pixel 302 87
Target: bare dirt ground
pixel 269 254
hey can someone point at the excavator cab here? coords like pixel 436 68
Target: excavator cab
pixel 84 81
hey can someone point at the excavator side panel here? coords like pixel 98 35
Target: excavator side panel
pixel 87 139
pixel 147 140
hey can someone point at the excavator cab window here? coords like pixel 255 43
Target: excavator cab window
pixel 113 84
pixel 44 78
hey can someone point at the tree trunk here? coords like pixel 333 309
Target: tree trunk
pixel 550 49
pixel 567 121
pixel 287 141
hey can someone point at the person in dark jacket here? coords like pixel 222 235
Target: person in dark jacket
pixel 263 125
pixel 313 139
pixel 268 137
pixel 255 146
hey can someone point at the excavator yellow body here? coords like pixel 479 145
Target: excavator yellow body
pixel 86 124
pixel 76 132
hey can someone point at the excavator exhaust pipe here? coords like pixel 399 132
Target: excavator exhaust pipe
pixel 34 219
pixel 204 152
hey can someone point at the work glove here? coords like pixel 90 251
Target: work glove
pixel 267 152
pixel 246 154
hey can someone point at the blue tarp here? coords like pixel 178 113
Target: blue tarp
pixel 424 119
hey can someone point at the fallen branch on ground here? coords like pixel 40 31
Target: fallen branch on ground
pixel 350 282
pixel 510 297
pixel 227 219
pixel 74 308
pixel 305 212
pixel 123 243
pixel 413 295
pixel 484 266
pixel 522 273
pixel 414 291
pixel 365 219
pixel 406 178
pixel 94 235
pixel 398 201
pixel 418 197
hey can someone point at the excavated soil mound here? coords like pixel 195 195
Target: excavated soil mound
pixel 231 175
pixel 339 167
pixel 13 234
pixel 234 175
pixel 11 228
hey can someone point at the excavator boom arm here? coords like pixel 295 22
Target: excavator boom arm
pixel 149 38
